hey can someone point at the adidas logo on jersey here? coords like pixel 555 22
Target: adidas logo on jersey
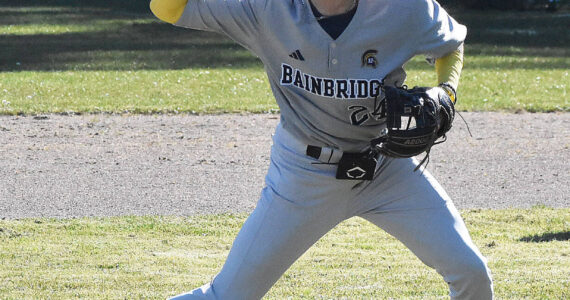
pixel 297 55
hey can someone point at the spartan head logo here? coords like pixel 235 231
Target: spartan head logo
pixel 369 58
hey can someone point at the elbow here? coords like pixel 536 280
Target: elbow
pixel 163 10
pixel 158 11
pixel 155 9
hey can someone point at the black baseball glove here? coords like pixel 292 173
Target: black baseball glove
pixel 415 120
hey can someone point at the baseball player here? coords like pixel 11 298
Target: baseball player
pixel 331 65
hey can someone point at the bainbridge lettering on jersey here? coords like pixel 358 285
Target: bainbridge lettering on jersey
pixel 330 87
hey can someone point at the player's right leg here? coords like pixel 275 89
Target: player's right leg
pixel 302 201
pixel 271 239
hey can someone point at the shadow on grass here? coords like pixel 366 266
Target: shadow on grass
pixel 125 5
pixel 149 46
pixel 547 237
pixel 102 39
pixel 517 29
pixel 123 35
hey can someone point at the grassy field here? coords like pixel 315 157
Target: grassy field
pixel 155 257
pixel 95 59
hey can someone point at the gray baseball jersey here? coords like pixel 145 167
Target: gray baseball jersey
pixel 328 90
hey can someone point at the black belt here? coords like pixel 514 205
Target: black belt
pixel 355 166
pixel 325 155
pixel 314 151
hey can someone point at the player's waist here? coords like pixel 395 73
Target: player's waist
pixel 349 165
pixel 321 153
pixel 324 154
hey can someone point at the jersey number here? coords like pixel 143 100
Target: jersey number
pixel 360 114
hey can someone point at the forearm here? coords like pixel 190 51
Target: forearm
pixel 168 10
pixel 448 68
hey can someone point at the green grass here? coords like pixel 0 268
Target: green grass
pixel 70 58
pixel 156 257
pixel 140 92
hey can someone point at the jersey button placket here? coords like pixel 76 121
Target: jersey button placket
pixel 333 60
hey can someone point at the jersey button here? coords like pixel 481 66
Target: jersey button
pixel 333 45
pixel 334 61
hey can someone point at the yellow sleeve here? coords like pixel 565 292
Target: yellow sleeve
pixel 448 69
pixel 168 10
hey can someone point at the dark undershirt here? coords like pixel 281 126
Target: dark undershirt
pixel 334 25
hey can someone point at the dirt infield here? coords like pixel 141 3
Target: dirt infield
pixel 107 165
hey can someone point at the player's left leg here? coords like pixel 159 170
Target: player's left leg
pixel 415 209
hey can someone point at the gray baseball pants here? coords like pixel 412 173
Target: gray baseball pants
pixel 302 201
